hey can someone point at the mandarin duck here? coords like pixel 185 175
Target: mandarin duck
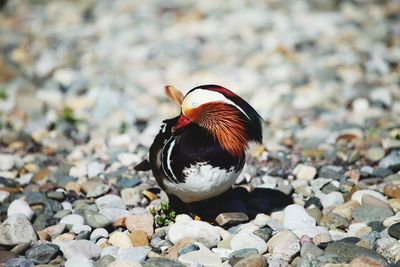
pixel 199 154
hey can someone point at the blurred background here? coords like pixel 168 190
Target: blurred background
pixel 76 72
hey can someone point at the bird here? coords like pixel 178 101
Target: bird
pixel 200 153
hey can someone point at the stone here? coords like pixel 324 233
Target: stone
pixel 373 201
pixel 357 196
pixel 84 248
pixel 16 229
pixel 98 233
pixel 204 257
pixel 131 196
pixel 139 238
pixel 19 262
pixel 296 217
pixel 79 261
pixel 333 221
pixel 7 162
pixel 95 189
pixel 143 222
pixel 121 240
pixel 161 262
pixel 392 190
pixel 264 233
pixel 391 161
pixel 365 262
pixel 358 230
pixel 310 251
pixel 135 254
pixel 20 206
pixel 240 254
pixel 72 219
pixel 375 153
pixel 347 252
pixel 394 230
pixel 94 168
pixel 6 256
pixel 110 201
pixel 187 249
pixel 114 214
pixel 284 245
pixel 95 219
pixel 253 261
pixel 124 263
pixel 248 240
pixel 104 261
pixel 304 172
pixel 42 254
pixel 197 230
pixel 368 213
pixel 322 238
pixel 173 252
pixel 346 210
pixel 62 213
pixel 231 218
pixel 261 220
pixel 332 200
pixel 78 228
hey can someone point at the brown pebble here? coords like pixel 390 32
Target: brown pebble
pixel 142 222
pixel 43 235
pixel 365 262
pixel 373 201
pixel 149 195
pixel 139 238
pixel 172 253
pixel 72 186
pixel 392 190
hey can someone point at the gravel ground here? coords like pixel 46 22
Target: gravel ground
pixel 81 99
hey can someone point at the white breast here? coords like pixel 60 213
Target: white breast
pixel 202 182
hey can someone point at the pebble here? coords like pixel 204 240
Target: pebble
pixel 114 214
pixel 139 238
pixel 332 200
pixel 296 217
pixel 6 256
pixel 79 261
pixel 391 161
pixel 72 219
pixel 284 245
pixel 392 190
pixel 161 262
pixel 253 261
pixel 131 196
pixel 231 218
pixel 368 213
pixel 98 233
pixel 95 219
pixel 121 240
pixel 42 254
pixel 20 206
pixel 124 263
pixel 248 240
pixel 110 201
pixel 357 196
pixel 143 222
pixel 19 262
pixel 95 189
pixel 203 257
pixel 84 248
pixel 16 229
pixel 373 201
pixel 394 230
pixel 346 210
pixel 199 231
pixel 133 254
pixel 240 254
pixel 304 172
pixel 104 261
pixel 7 162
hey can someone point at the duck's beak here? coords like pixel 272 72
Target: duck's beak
pixel 182 122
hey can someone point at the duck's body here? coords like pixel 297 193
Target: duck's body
pixel 199 154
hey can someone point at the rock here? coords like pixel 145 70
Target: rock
pixel 131 196
pixel 7 162
pixel 78 228
pixel 346 210
pixel 104 261
pixel 84 248
pixel 143 222
pixel 6 256
pixel 357 196
pixel 94 188
pixel 161 262
pixel 98 233
pixel 333 221
pixel 240 254
pixel 310 251
pixel 264 233
pixel 95 168
pixel 321 238
pixel 121 240
pixel 347 252
pixel 16 229
pixel 139 238
pixel 368 213
pixel 365 262
pixel 199 231
pixel 19 262
pixel 248 240
pixel 375 153
pixel 231 218
pixel 42 254
pixel 373 201
pixel 79 261
pixel 394 230
pixel 72 219
pixel 110 201
pixel 391 161
pixel 20 206
pixel 95 219
pixel 134 254
pixel 358 230
pixel 173 252
pixel 125 263
pixel 128 183
pixel 284 245
pixel 261 220
pixel 392 190
pixel 204 257
pixel 331 200
pixel 252 261
pixel 304 172
pixel 296 217
pixel 62 213
pixel 113 214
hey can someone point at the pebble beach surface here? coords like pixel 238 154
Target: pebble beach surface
pixel 81 99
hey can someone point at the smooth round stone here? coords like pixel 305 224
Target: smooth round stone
pixel 20 206
pixel 391 161
pixel 110 201
pixel 161 262
pixel 95 219
pixel 392 190
pixel 72 219
pixel 134 254
pixel 95 189
pixel 84 248
pixel 62 213
pixel 104 261
pixel 264 233
pixel 42 254
pixel 125 263
pixel 248 240
pixel 19 262
pixel 331 200
pixel 375 153
pixel 296 217
pixel 284 245
pixel 394 230
pixel 131 196
pixel 56 195
pixel 368 213
pixel 77 228
pixel 83 235
pixel 203 257
pixel 113 214
pixel 237 255
pixel 7 161
pixel 254 261
pixel 304 172
pixel 79 261
pixel 357 196
pixel 128 183
pixel 121 240
pixel 98 233
pixel 334 221
pixel 16 229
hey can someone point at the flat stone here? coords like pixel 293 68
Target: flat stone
pixel 143 222
pixel 161 262
pixel 240 254
pixel 139 238
pixel 94 188
pixel 252 261
pixel 104 261
pixel 19 262
pixel 296 217
pixel 79 261
pixel 125 263
pixel 368 213
pixel 72 219
pixel 304 172
pixel 391 161
pixel 231 218
pixel 20 206
pixel 95 219
pixel 42 254
pixel 197 230
pixel 135 254
pixel 373 201
pixel 16 229
pixel 204 257
pixel 284 245
pixel 365 262
pixel 248 240
pixel 357 196
pixel 346 210
pixel 120 239
pixel 110 201
pixel 131 196
pixel 98 233
pixel 84 248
